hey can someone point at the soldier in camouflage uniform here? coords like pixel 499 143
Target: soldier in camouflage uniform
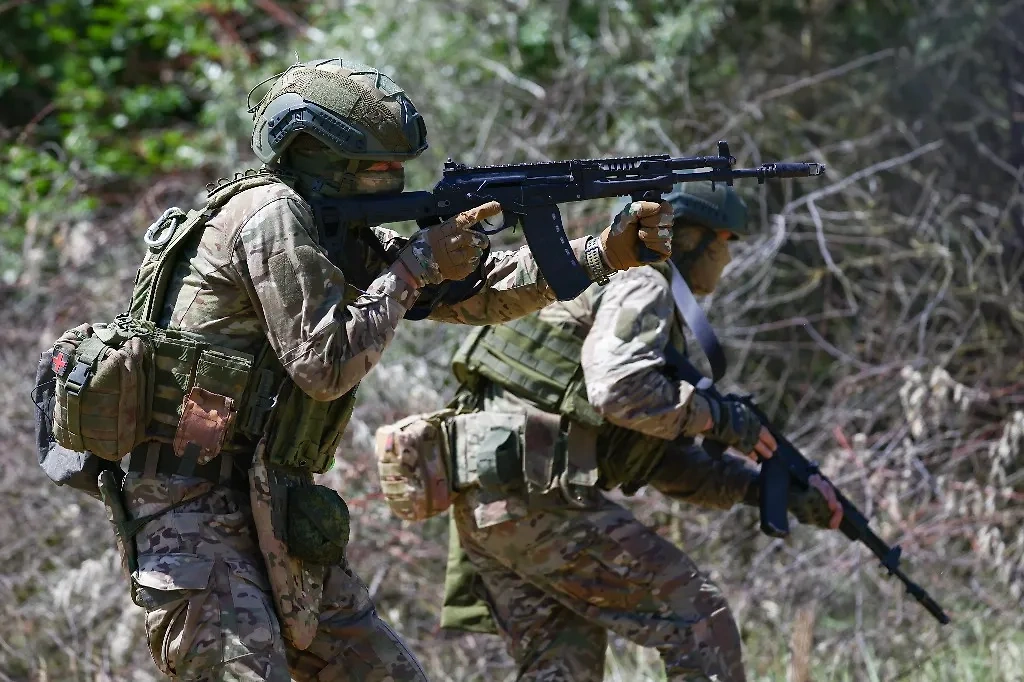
pixel 557 563
pixel 256 279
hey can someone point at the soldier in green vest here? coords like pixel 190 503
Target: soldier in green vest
pixel 580 398
pixel 234 374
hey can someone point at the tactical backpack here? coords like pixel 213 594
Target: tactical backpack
pixel 110 386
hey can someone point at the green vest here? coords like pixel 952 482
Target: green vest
pixel 540 362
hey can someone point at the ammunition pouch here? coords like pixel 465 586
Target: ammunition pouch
pixel 488 450
pixel 545 459
pixel 303 433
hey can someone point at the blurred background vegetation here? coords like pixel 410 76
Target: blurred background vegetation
pixel 878 314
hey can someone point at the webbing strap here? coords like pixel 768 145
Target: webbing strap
pixel 152 459
pixel 165 258
pixel 85 356
pixel 698 323
pixel 89 349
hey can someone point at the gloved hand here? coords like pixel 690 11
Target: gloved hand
pixel 731 422
pixel 818 505
pixel 449 251
pixel 641 223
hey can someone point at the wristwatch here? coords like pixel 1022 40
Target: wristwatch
pixel 594 264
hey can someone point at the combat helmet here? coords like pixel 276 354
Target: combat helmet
pixel 357 111
pixel 718 208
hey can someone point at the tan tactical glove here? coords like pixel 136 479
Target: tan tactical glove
pixel 449 251
pixel 642 223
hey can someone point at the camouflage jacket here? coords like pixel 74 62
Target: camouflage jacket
pixel 258 274
pixel 627 325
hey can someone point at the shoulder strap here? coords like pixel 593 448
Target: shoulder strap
pixel 166 236
pixel 698 323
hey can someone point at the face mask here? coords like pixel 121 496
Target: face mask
pixel 703 273
pixel 327 171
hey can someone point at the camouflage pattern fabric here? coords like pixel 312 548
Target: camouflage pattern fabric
pixel 624 361
pixel 558 579
pixel 255 275
pixel 689 474
pixel 209 612
pixel 258 273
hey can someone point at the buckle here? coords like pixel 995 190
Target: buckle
pixel 574 495
pixel 257 412
pixel 78 378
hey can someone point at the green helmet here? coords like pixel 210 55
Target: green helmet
pixel 354 109
pixel 720 208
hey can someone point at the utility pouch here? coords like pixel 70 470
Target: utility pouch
pixel 317 521
pixel 215 390
pixel 78 470
pixel 102 389
pixel 205 420
pixel 297 585
pixel 488 450
pixel 413 462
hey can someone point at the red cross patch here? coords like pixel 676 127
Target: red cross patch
pixel 59 363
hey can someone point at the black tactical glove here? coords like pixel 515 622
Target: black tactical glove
pixel 732 423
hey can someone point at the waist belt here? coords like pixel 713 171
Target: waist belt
pixel 158 459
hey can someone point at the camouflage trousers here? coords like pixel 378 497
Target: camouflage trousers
pixel 560 578
pixel 209 609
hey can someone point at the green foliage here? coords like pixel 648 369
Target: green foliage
pixel 114 74
pixel 102 94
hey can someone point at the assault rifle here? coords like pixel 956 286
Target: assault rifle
pixel 788 467
pixel 529 194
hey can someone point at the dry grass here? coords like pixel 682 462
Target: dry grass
pixel 879 315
